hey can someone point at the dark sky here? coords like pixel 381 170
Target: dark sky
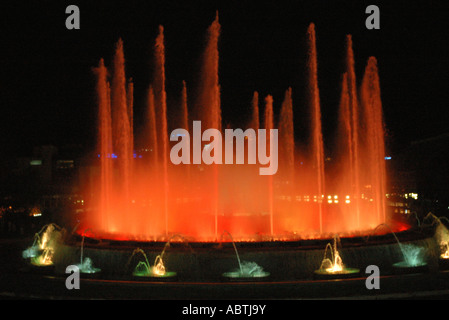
pixel 47 88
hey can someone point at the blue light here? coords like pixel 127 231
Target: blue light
pixel 387 158
pixel 114 156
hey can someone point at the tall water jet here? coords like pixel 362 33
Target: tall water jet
pixel 130 104
pixel 209 103
pixel 104 143
pixel 317 136
pixel 269 125
pixel 184 123
pixel 287 141
pixel 372 107
pixel 254 123
pixel 121 129
pixel 346 152
pixel 354 159
pixel 184 108
pixel 161 113
pixel 210 86
pixel 151 174
pixel 285 177
pixel 151 134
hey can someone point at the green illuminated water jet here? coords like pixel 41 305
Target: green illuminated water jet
pixel 246 269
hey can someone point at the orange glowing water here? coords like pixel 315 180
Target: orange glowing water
pixel 375 137
pixel 317 134
pixel 145 197
pixel 269 124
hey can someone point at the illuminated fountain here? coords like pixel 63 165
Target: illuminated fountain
pixel 142 196
pixel 414 255
pixel 144 270
pixel 44 259
pixel 86 265
pixel 445 250
pixel 442 238
pixel 333 267
pixel 139 199
pixel 44 245
pixel 413 260
pixel 158 270
pixel 247 270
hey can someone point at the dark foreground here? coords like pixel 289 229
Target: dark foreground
pixel 18 280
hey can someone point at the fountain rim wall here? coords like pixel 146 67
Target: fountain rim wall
pixel 199 262
pixel 410 234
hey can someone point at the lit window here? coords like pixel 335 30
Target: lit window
pixel 36 162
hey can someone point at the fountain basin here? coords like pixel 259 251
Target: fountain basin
pixel 35 266
pixel 322 274
pixel 404 267
pixel 238 276
pixel 145 276
pixel 38 262
pixel 91 273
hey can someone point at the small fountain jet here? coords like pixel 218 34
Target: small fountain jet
pixel 334 266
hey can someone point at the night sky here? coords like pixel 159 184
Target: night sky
pixel 47 87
